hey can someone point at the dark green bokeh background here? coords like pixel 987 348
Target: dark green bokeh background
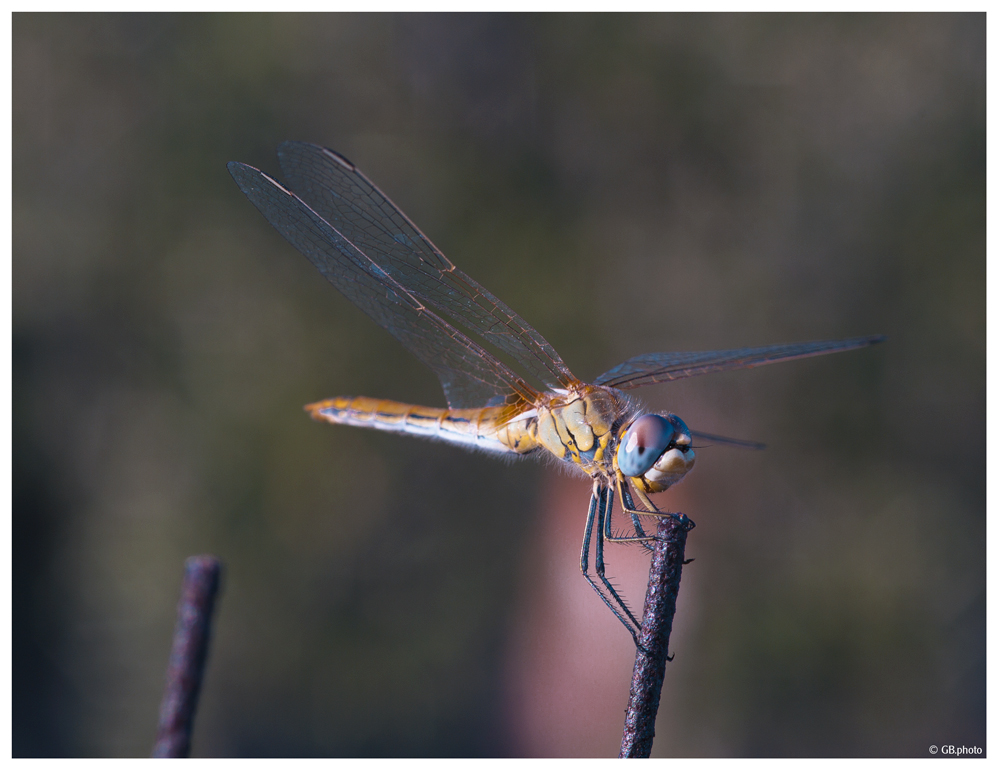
pixel 628 184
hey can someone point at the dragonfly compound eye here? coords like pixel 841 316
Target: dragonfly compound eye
pixel 675 462
pixel 645 441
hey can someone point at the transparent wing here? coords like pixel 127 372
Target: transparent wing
pixel 363 215
pixel 663 367
pixel 726 441
pixel 470 375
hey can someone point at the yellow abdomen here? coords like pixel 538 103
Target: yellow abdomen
pixel 577 427
pixel 467 427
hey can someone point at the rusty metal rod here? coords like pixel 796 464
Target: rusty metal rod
pixel 187 658
pixel 653 641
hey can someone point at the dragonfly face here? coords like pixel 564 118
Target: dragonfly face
pixel 656 451
pixel 369 250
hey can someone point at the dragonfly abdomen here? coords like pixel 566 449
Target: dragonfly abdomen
pixel 471 428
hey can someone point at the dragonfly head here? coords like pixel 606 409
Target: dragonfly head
pixel 656 449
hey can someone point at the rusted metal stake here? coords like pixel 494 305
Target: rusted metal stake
pixel 656 626
pixel 187 658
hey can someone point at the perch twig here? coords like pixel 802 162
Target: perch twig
pixel 653 641
pixel 187 658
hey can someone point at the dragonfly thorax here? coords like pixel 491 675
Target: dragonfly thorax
pixel 579 426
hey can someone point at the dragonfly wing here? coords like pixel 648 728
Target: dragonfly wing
pixel 470 375
pixel 346 199
pixel 663 367
pixel 737 443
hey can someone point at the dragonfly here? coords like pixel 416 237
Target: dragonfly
pixel 374 255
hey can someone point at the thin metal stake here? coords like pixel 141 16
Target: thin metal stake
pixel 187 658
pixel 653 641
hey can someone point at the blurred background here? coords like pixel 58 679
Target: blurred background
pixel 627 183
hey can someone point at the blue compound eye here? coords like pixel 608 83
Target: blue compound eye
pixel 647 438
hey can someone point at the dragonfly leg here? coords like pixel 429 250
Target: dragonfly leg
pixel 650 509
pixel 606 506
pixel 597 505
pixel 627 504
